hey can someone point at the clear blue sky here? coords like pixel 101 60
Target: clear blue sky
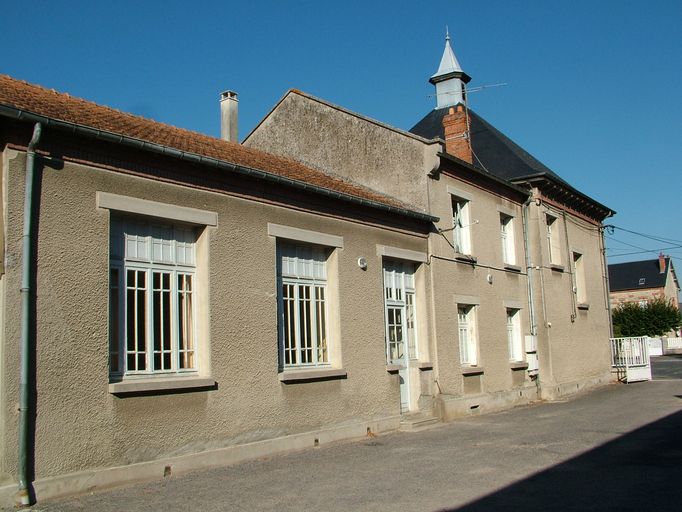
pixel 594 86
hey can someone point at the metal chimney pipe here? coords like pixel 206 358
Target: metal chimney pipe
pixel 229 114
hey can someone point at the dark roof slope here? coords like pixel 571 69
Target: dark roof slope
pixel 494 151
pixel 20 95
pixel 637 274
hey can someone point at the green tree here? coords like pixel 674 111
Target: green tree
pixel 656 318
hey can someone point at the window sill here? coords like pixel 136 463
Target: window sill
pixel 468 258
pixel 150 384
pixel 394 368
pixel 584 306
pixel 518 365
pixel 513 268
pixel 472 370
pixel 556 267
pixel 425 366
pixel 288 376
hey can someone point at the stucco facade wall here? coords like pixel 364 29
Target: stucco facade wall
pixel 573 342
pixel 80 425
pixel 338 142
pixel 486 280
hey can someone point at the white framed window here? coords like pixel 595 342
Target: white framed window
pixel 553 239
pixel 152 297
pixel 514 340
pixel 400 311
pixel 468 346
pixel 303 305
pixel 461 222
pixel 507 239
pixel 579 273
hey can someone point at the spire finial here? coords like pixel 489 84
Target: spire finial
pixel 447 33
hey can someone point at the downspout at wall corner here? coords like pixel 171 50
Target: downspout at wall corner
pixel 24 496
pixel 529 266
pixel 605 271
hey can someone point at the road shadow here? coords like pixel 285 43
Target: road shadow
pixel 638 471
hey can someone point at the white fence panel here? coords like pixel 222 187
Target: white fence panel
pixel 674 342
pixel 655 347
pixel 630 358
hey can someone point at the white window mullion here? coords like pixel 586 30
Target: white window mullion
pixel 149 327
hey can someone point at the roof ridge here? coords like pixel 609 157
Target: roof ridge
pixel 63 108
pixel 113 109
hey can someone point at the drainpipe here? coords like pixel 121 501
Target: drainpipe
pixel 529 266
pixel 571 263
pixel 23 497
pixel 605 272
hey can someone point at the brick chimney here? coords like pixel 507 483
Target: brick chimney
pixel 229 108
pixel 661 263
pixel 457 134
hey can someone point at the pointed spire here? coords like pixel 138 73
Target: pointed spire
pixel 448 63
pixel 450 79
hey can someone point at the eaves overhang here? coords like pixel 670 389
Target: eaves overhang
pixel 567 194
pixel 485 175
pixel 11 112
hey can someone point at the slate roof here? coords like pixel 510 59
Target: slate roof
pixel 20 95
pixel 494 151
pixel 635 275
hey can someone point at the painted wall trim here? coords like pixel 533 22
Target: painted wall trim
pixel 150 384
pixel 469 300
pixel 512 304
pixel 507 211
pixel 154 209
pixel 304 235
pixel 460 193
pixel 401 254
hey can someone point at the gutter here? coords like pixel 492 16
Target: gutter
pixel 23 496
pixel 94 133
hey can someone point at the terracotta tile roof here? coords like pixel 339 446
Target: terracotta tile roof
pixel 49 103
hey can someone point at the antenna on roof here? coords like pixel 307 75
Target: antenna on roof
pixel 472 89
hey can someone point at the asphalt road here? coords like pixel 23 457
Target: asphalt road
pixel 616 448
pixel 666 367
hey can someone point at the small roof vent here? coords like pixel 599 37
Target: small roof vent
pixel 642 280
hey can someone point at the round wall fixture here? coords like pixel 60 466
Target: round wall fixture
pixel 362 263
pixel 489 277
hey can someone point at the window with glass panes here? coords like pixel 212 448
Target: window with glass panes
pixel 303 303
pixel 514 335
pixel 152 290
pixel 507 238
pixel 467 335
pixel 461 232
pixel 553 240
pixel 400 311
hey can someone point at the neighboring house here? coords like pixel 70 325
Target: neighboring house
pixel 191 302
pixel 515 267
pixel 642 281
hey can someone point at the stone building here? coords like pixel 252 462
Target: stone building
pixel 642 281
pixel 516 264
pixel 171 301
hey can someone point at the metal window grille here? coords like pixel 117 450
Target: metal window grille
pixel 304 339
pixel 400 311
pixel 151 307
